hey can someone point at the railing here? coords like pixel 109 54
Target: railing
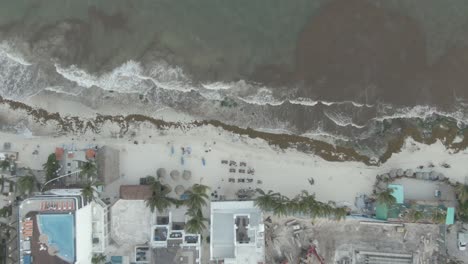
pixel 59 177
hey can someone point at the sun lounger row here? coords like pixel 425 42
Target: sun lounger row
pixel 58 206
pixel 249 171
pixel 234 163
pixel 27 228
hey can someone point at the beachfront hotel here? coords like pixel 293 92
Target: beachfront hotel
pixel 60 226
pixel 237 233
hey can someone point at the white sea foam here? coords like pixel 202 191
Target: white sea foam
pixel 218 86
pixel 341 119
pixel 59 90
pixel 303 101
pixel 263 96
pixel 130 77
pixel 420 111
pixel 7 50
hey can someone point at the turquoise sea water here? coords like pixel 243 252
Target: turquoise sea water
pixel 60 230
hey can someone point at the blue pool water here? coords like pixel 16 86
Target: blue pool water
pixel 60 230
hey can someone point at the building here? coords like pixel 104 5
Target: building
pixel 61 227
pixel 237 233
pixel 108 160
pixel 141 236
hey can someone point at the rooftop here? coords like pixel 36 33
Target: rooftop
pixel 135 192
pixel 245 242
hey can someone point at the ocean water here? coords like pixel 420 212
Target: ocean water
pixel 329 69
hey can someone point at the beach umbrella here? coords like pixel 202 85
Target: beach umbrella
pixel 179 189
pixel 426 175
pixel 393 174
pixel 409 173
pixel 400 172
pixel 175 175
pixel 434 175
pixel 186 174
pixel 419 175
pixel 161 172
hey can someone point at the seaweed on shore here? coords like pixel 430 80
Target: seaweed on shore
pixel 442 129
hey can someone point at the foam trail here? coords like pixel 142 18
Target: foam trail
pixel 340 120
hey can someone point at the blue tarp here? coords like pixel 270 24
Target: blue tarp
pixel 116 259
pixel 27 259
pixel 397 193
pixel 450 219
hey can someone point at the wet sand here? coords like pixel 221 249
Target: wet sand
pixel 445 130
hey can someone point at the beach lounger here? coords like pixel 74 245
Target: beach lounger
pixel 232 170
pixel 232 163
pixel 224 162
pixel 241 171
pixel 59 206
pixel 243 164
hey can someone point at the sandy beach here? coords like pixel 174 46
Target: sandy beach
pixel 287 171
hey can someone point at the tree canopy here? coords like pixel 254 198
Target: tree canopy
pixel 51 167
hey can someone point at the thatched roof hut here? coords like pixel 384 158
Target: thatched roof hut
pixel 161 173
pixel 187 175
pixel 179 189
pixel 175 175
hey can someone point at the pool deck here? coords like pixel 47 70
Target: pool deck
pixel 31 209
pixel 38 255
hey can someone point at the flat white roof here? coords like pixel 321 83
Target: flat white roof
pixel 223 242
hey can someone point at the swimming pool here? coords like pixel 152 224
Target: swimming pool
pixel 60 230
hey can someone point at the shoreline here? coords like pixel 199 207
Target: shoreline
pixel 444 131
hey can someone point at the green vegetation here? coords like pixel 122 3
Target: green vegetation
pixel 462 192
pixel 438 216
pixel 6 211
pixel 98 259
pixel 386 197
pixel 5 164
pixel 196 199
pixel 304 204
pixel 196 223
pixel 88 170
pixel 89 189
pixel 51 167
pixel 415 215
pixel 26 184
pixel 159 199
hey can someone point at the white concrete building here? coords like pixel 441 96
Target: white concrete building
pixel 237 233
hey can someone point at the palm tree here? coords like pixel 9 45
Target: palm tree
pixel 159 199
pixel 462 192
pixel 98 259
pixel 26 184
pixel 88 169
pixel 415 215
pixel 438 216
pixel 196 224
pixel 51 167
pixel 5 164
pixel 266 201
pixel 280 207
pixel 89 190
pixel 197 196
pixel 340 213
pixel 386 197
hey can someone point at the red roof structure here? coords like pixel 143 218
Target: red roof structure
pixel 59 153
pixel 90 154
pixel 135 192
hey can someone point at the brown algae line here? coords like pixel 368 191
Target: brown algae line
pixel 325 150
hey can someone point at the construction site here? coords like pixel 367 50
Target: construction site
pixel 301 241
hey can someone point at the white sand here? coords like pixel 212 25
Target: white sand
pixel 283 171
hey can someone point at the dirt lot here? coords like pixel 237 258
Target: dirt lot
pixel 346 241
